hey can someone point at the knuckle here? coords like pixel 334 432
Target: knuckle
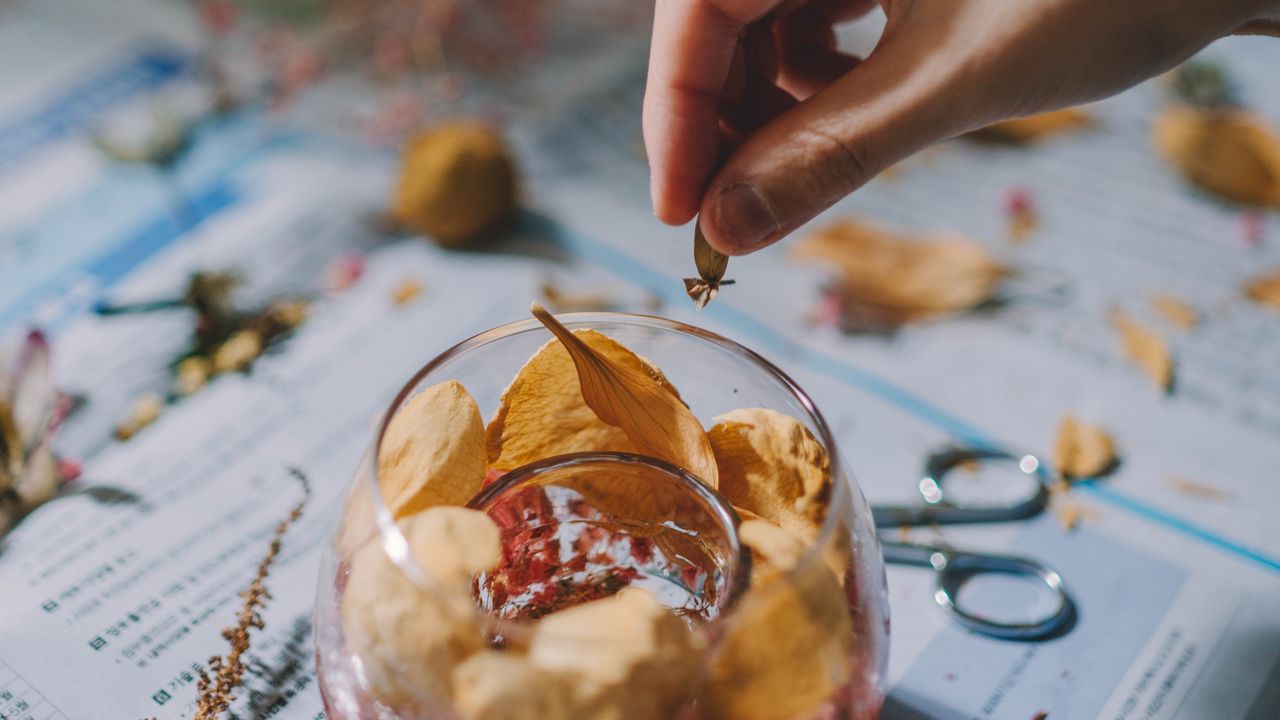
pixel 837 166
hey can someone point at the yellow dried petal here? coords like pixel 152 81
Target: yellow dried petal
pixel 542 412
pixel 1265 289
pixel 1176 310
pixel 1229 153
pixel 457 183
pixel 493 685
pixel 406 291
pixel 774 551
pixel 628 656
pixel 1083 451
pixel 771 465
pixel 145 410
pixel 785 650
pixel 888 278
pixel 192 374
pixel 1196 489
pixel 1026 130
pixel 410 640
pixel 237 351
pixel 1144 348
pixel 433 451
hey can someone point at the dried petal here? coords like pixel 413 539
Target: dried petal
pixel 1083 451
pixel 653 418
pixel 711 264
pixel 774 551
pixel 406 291
pixel 887 278
pixel 409 640
pixel 34 394
pixel 786 648
pixel 237 352
pixel 1227 152
pixel 493 685
pixel 192 374
pixel 146 409
pixel 628 655
pixel 1200 490
pixel 542 413
pixel 1145 349
pixel 563 302
pixel 771 465
pixel 1033 128
pixel 1176 310
pixel 433 451
pixel 1265 289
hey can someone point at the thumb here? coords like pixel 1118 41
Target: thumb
pixel 896 102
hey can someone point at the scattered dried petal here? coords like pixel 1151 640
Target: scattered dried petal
pixel 1228 152
pixel 192 374
pixel 628 655
pixel 888 278
pixel 1200 490
pixel 406 291
pixel 237 352
pixel 1176 310
pixel 771 465
pixel 1265 289
pixel 146 409
pixel 654 419
pixel 458 183
pixel 410 639
pixel 563 302
pixel 344 271
pixel 1083 451
pixel 433 451
pixel 1020 214
pixel 1144 348
pixel 1033 128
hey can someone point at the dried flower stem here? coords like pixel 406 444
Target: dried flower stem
pixel 217 685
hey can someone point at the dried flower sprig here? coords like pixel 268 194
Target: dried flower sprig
pixel 217 684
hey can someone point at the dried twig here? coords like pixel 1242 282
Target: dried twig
pixel 217 685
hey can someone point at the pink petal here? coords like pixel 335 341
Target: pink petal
pixel 34 394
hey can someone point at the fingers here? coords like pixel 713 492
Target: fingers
pixel 896 102
pixel 808 59
pixel 689 61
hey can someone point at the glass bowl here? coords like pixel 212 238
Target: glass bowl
pixel 810 642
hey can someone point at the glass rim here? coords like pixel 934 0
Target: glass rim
pixel 395 544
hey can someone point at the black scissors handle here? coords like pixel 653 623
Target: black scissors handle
pixel 938 509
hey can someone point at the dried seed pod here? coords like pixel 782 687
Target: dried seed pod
pixel 1033 128
pixel 1228 152
pixel 1083 451
pixel 1145 349
pixel 786 648
pixel 457 183
pixel 409 639
pixel 887 279
pixel 1265 289
pixel 711 264
pixel 771 465
pixel 433 451
pixel 627 655
pixel 493 685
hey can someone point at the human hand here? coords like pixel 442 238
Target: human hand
pixel 811 124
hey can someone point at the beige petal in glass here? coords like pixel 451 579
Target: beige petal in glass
pixel 1144 348
pixel 433 451
pixel 504 685
pixel 657 422
pixel 1083 451
pixel 771 465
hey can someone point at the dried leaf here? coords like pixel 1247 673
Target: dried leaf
pixel 1265 289
pixel 771 465
pixel 628 655
pixel 433 451
pixel 1144 348
pixel 1176 310
pixel 654 419
pixel 786 649
pixel 887 278
pixel 1033 128
pixel 542 413
pixel 711 264
pixel 409 640
pixel 1229 153
pixel 493 685
pixel 1083 451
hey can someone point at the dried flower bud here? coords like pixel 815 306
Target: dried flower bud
pixel 771 465
pixel 458 182
pixel 711 264
pixel 410 639
pixel 628 656
pixel 237 352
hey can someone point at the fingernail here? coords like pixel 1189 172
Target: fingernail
pixel 743 217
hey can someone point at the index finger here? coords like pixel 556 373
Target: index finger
pixel 689 59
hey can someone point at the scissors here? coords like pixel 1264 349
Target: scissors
pixel 955 568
